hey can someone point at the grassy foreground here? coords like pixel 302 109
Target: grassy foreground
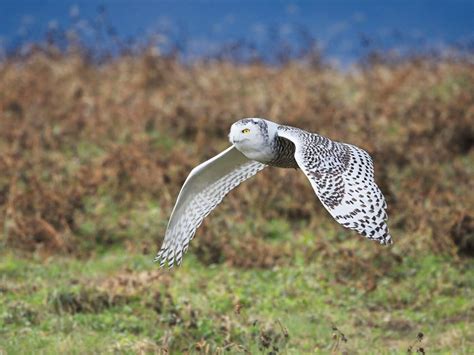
pixel 120 303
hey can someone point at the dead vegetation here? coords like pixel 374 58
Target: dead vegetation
pixel 75 134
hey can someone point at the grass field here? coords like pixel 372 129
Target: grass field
pixel 118 302
pixel 93 156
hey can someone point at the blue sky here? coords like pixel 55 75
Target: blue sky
pixel 206 24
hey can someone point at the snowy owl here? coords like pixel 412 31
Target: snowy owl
pixel 341 175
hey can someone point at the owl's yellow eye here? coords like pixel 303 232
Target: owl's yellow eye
pixel 245 130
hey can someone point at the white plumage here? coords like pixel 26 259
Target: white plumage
pixel 341 175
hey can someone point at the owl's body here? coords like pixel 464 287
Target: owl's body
pixel 341 175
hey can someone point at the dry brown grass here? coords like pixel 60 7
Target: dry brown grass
pixel 132 128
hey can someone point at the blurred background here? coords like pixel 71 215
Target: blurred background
pixel 342 30
pixel 105 107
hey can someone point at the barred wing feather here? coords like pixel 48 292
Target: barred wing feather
pixel 342 177
pixel 203 190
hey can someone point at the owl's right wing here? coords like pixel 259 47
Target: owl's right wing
pixel 203 190
pixel 342 176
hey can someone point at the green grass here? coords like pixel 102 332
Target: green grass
pixel 121 302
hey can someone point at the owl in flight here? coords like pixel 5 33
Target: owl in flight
pixel 341 175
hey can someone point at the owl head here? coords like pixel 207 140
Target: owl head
pixel 253 137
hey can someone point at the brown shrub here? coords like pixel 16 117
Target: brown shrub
pixel 462 233
pixel 133 128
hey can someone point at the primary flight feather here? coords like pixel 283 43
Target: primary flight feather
pixel 342 176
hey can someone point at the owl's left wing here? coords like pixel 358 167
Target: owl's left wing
pixel 342 176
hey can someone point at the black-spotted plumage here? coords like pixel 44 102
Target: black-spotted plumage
pixel 341 175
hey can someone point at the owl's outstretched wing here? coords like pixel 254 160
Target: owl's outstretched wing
pixel 342 176
pixel 204 189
